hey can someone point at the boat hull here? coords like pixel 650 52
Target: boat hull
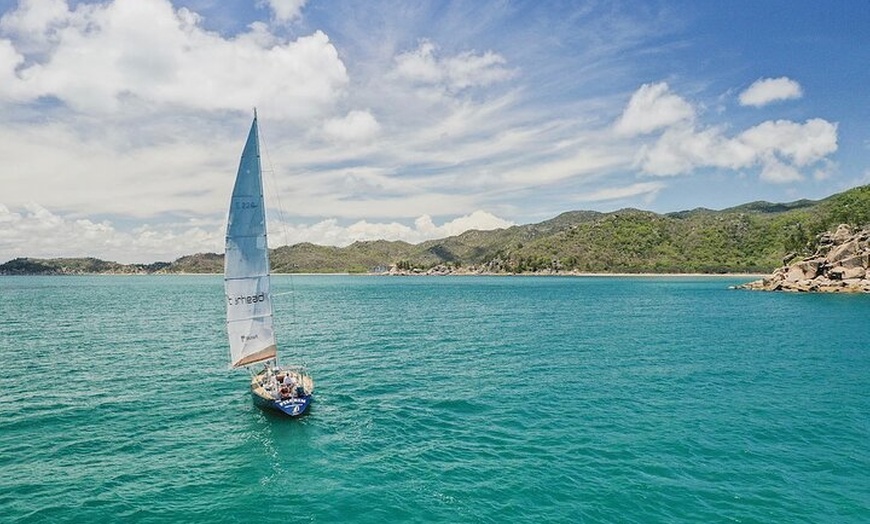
pixel 268 394
pixel 292 407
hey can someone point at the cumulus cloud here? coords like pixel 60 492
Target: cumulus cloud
pixel 96 57
pixel 356 126
pixel 331 232
pixel 479 220
pixel 653 107
pixel 34 231
pixel 778 172
pixel 36 24
pixel 767 90
pixel 780 148
pixel 802 144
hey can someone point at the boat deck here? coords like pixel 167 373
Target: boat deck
pixel 265 386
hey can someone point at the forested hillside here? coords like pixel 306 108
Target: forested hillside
pixel 753 237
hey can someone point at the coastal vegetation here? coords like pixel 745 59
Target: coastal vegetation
pixel 751 238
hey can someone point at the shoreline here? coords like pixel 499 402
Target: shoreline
pixel 411 274
pixel 551 274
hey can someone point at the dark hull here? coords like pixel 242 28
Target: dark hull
pixel 292 407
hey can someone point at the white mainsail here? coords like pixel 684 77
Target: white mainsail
pixel 246 264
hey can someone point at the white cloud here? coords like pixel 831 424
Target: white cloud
pixel 10 60
pixel 653 107
pixel 105 175
pixel 35 24
pixel 356 126
pixel 287 10
pixel 419 65
pixel 801 144
pixel 779 147
pixel 766 90
pixel 469 70
pixel 479 220
pixel 331 232
pixel 34 231
pixel 778 172
pixel 650 189
pixel 678 151
pixel 424 67
pixel 101 57
pixel 588 161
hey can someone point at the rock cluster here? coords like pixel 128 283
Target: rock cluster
pixel 439 270
pixel 841 264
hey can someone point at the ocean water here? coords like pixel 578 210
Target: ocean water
pixel 444 399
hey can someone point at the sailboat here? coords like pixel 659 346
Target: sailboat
pixel 247 282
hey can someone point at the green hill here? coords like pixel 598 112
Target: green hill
pixel 76 266
pixel 753 237
pixel 359 257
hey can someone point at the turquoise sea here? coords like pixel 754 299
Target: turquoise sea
pixel 443 399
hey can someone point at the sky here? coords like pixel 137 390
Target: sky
pixel 122 121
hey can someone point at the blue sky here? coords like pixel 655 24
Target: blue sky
pixel 122 121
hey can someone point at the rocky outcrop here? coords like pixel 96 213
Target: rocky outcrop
pixel 841 264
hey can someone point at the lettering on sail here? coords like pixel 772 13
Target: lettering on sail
pixel 247 204
pixel 246 299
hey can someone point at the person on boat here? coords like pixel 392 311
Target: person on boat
pixel 288 386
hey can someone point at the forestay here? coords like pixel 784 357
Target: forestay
pixel 246 266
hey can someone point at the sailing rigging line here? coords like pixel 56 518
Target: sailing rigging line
pixel 273 185
pixel 276 197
